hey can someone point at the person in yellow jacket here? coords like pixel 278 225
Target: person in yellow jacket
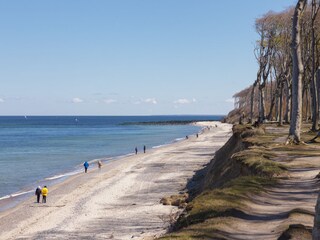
pixel 44 193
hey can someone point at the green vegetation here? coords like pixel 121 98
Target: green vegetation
pixel 252 161
pixel 207 211
pixel 259 161
pixel 244 167
pixel 296 231
pixel 224 201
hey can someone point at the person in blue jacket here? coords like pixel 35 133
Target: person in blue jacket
pixel 86 165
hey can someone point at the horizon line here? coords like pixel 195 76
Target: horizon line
pixel 137 115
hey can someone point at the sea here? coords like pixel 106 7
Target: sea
pixel 37 150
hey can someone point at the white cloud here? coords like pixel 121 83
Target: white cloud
pixel 77 100
pixel 150 100
pixel 109 101
pixel 230 100
pixel 147 100
pixel 182 101
pixel 1 100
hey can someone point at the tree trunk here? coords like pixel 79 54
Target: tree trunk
pixel 280 105
pixel 314 95
pixel 252 102
pixel 295 124
pixel 277 105
pixel 288 102
pixel 274 101
pixel 318 91
pixel 306 92
pixel 261 105
pixel 314 105
pixel 316 223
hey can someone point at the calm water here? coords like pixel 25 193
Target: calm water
pixel 33 149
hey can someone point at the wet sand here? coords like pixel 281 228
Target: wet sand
pixel 120 201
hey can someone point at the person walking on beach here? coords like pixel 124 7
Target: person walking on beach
pixel 38 193
pixel 144 149
pixel 99 164
pixel 136 149
pixel 86 166
pixel 44 192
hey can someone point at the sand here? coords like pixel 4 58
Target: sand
pixel 120 201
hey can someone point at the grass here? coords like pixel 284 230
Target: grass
pixel 259 161
pixel 207 211
pixel 205 230
pixel 211 209
pixel 224 201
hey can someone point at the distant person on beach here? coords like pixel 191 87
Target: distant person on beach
pixel 197 135
pixel 136 149
pixel 187 137
pixel 99 164
pixel 86 165
pixel 44 192
pixel 38 193
pixel 144 149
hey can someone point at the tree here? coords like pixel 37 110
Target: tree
pixel 272 90
pixel 297 74
pixel 263 53
pixel 315 110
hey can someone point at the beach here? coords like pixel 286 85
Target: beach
pixel 120 201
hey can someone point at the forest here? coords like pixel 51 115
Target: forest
pixel 287 87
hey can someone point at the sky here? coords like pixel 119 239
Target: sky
pixel 127 57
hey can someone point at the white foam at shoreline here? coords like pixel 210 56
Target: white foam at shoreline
pixel 77 204
pixel 15 195
pixel 63 175
pixel 202 125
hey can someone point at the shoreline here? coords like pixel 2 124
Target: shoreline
pixel 80 198
pixel 13 199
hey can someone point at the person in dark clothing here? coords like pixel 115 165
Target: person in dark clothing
pixel 86 166
pixel 144 149
pixel 99 164
pixel 38 193
pixel 136 149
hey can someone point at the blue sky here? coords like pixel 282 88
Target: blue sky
pixel 127 57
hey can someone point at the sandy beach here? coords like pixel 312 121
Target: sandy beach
pixel 120 201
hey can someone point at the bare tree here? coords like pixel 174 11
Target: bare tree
pixel 252 101
pixel 315 110
pixel 263 53
pixel 277 80
pixel 297 74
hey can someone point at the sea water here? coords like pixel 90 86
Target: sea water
pixel 36 148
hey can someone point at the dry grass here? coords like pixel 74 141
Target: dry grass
pixel 258 171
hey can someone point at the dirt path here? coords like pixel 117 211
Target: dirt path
pixel 292 201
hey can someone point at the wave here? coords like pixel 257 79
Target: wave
pixel 63 175
pixel 78 167
pixel 166 144
pixel 15 194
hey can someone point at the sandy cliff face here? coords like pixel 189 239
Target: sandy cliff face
pixel 255 187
